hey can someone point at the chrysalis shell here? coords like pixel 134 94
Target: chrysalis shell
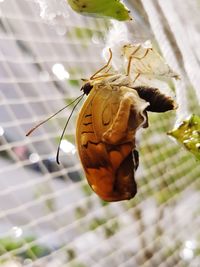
pixel 144 60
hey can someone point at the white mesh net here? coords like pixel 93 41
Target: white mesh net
pixel 48 214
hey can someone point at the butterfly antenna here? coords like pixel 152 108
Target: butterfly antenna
pixel 42 122
pixel 63 132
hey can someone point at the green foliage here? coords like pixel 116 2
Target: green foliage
pixel 103 203
pixel 10 244
pixel 71 254
pixel 109 228
pixel 77 264
pixel 96 222
pixel 188 134
pixel 74 83
pixel 81 33
pixel 163 178
pixel 101 8
pixel 80 212
pixel 162 187
pixel 87 190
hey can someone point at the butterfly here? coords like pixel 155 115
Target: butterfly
pixel 107 123
pixel 116 107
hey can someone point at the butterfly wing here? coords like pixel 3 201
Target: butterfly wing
pixel 105 139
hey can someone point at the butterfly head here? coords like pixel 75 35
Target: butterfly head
pixel 87 87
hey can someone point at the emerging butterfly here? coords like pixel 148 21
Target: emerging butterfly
pixel 107 123
pixel 115 108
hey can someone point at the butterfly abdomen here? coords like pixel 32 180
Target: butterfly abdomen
pixel 158 101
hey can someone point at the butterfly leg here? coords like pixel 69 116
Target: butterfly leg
pixel 132 56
